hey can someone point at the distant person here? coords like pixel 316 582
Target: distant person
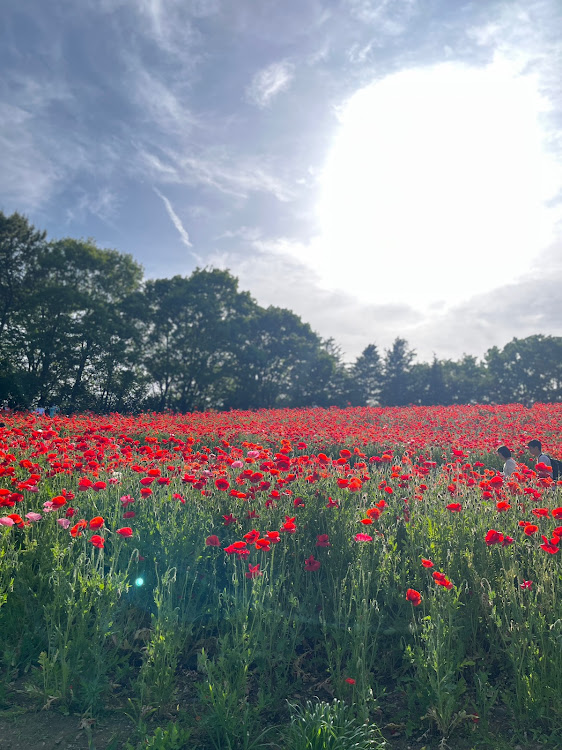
pixel 535 449
pixel 40 411
pixel 509 463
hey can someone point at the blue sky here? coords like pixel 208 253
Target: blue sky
pixel 382 167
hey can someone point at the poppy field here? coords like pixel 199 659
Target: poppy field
pixel 241 577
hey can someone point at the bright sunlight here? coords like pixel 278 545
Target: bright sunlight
pixel 436 185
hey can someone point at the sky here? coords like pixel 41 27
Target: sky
pixel 382 168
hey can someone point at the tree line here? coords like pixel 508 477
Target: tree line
pixel 80 327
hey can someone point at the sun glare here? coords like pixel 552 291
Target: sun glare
pixel 435 187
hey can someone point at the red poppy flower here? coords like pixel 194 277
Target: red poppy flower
pixel 98 541
pixel 540 512
pixel 76 530
pixel 96 522
pixel 126 531
pixel 273 537
pixel 229 519
pixel 350 680
pixel 254 571
pixel 289 527
pixel 502 506
pixel 58 501
pixel 129 514
pixel 212 541
pixel 222 484
pixel 413 596
pixel 454 507
pixel 262 544
pixel 549 547
pixel 530 529
pixel 251 536
pixel 493 537
pixel 363 538
pixel 322 540
pixel 311 564
pixel 442 580
pixel 235 548
pixel 426 563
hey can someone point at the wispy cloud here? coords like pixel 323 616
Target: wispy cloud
pixel 161 104
pixel 217 168
pixel 103 204
pixel 269 82
pixel 34 165
pixel 386 16
pixel 176 221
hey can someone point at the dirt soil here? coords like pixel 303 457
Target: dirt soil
pixel 50 730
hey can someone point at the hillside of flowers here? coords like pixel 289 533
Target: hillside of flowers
pixel 222 570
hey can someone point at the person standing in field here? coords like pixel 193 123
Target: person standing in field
pixel 509 463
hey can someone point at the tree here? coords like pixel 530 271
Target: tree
pixel 526 370
pixel 396 387
pixel 366 375
pixel 281 362
pixel 196 324
pixel 464 380
pixel 70 335
pixel 20 244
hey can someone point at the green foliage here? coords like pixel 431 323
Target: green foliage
pixel 171 737
pixel 330 726
pixel 80 328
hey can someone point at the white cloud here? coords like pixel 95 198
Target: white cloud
pixel 103 203
pixel 163 104
pixel 386 16
pixel 27 176
pixel 176 221
pixel 269 82
pixel 217 168
pixel 531 305
pixel 34 164
pixel 274 278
